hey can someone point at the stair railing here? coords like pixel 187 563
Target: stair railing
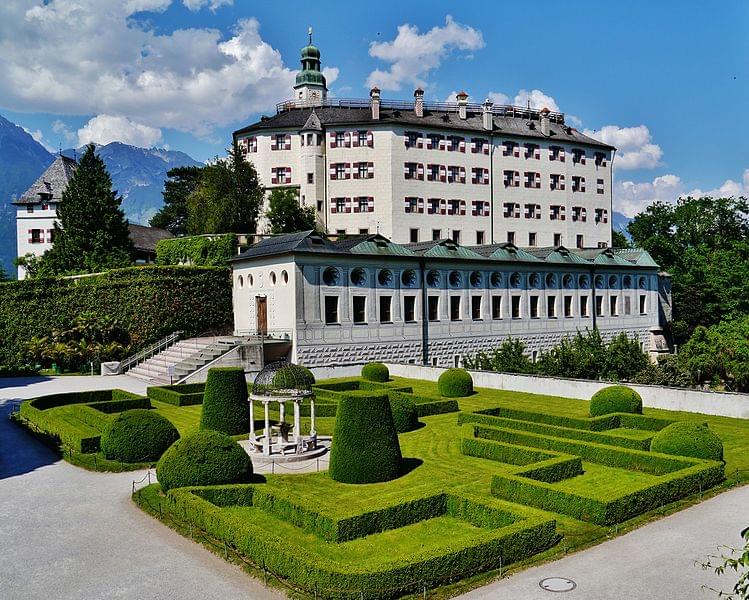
pixel 152 350
pixel 222 345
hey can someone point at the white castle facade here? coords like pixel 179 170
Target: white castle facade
pixel 419 171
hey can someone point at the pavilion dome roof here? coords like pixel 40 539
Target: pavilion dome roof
pixel 283 378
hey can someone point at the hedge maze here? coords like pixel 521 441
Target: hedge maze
pixel 589 469
pixel 390 550
pixel 78 419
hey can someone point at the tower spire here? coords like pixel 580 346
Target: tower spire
pixel 309 32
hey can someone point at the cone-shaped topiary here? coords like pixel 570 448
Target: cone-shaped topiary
pixel 365 444
pixel 203 458
pixel 455 383
pixel 615 398
pixel 375 371
pixel 404 413
pixel 138 435
pixel 688 439
pixel 225 405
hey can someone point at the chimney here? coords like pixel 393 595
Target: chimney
pixel 374 94
pixel 487 115
pixel 419 102
pixel 462 105
pixel 545 121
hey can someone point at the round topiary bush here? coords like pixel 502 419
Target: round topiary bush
pixel 365 443
pixel 375 371
pixel 225 405
pixel 615 398
pixel 455 383
pixel 138 435
pixel 203 458
pixel 688 439
pixel 404 414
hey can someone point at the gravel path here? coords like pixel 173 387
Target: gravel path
pixel 72 534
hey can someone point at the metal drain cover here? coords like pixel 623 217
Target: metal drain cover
pixel 557 584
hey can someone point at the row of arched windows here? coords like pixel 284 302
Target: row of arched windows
pixel 273 279
pixel 409 278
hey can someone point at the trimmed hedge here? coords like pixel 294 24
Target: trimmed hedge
pixel 79 419
pixel 557 431
pixel 214 251
pixel 150 302
pixel 365 443
pixel 404 413
pixel 138 436
pixel 688 439
pixel 615 399
pixel 533 484
pixel 187 394
pixel 455 383
pixel 590 423
pixel 506 537
pixel 375 371
pixel 203 458
pixel 225 405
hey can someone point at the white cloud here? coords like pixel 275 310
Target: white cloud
pixel 498 98
pixel 213 5
pixel 61 128
pixel 729 188
pixel 537 100
pixel 331 74
pixel 631 198
pixel 412 55
pixel 84 57
pixel 104 129
pixel 635 149
pixel 37 135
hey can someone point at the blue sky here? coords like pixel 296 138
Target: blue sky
pixel 666 82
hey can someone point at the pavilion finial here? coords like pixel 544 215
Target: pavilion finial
pixel 309 32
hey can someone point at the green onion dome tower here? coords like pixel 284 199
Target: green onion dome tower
pixel 310 87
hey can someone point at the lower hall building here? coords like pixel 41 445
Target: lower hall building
pixel 366 298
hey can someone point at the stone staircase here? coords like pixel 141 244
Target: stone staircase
pixel 182 358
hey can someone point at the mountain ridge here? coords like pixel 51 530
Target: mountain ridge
pixel 137 174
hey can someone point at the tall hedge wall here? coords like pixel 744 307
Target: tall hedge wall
pixel 212 251
pixel 150 302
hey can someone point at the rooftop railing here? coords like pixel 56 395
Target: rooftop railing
pixel 503 110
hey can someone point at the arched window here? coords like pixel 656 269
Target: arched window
pixel 273 278
pixel 284 277
pixel 240 281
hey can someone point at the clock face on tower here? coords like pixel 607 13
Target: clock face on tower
pixel 314 95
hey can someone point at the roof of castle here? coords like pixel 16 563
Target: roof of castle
pixel 372 245
pixel 51 184
pixel 331 115
pixel 145 238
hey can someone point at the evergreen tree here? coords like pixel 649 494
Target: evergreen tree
pixel 91 233
pixel 286 215
pixel 619 240
pixel 181 182
pixel 228 198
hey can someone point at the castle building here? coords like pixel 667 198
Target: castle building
pixel 419 171
pixel 367 298
pixel 36 215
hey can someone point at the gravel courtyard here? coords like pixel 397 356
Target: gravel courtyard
pixel 72 534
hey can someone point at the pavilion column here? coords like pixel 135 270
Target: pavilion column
pixel 297 428
pixel 266 441
pixel 282 412
pixel 312 416
pixel 252 425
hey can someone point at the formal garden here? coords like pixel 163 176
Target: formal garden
pixel 430 485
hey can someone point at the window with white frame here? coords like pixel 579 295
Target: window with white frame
pixel 413 139
pixel 512 178
pixel 281 141
pixel 557 212
pixel 510 149
pixel 280 175
pixel 414 205
pixel 556 153
pixel 456 174
pixel 511 210
pixel 578 156
pixel 556 181
pixel 532 151
pixel 479 146
pixel 480 208
pixel 578 183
